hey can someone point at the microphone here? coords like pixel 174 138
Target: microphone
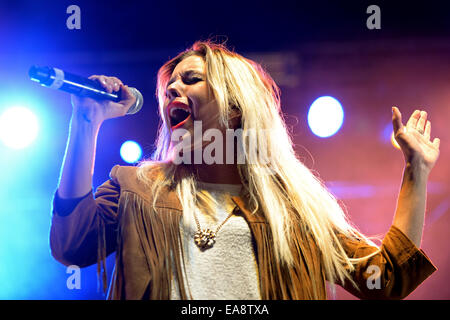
pixel 57 79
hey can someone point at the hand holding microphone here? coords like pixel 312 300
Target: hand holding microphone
pixel 96 98
pixel 98 110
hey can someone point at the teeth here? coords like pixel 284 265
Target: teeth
pixel 177 108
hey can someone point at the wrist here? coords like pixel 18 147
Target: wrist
pixel 86 117
pixel 417 169
pixel 80 121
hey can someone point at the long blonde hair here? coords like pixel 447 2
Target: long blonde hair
pixel 284 189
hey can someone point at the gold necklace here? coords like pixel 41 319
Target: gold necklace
pixel 206 238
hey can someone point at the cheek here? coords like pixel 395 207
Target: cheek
pixel 201 99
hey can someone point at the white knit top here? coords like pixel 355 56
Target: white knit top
pixel 228 270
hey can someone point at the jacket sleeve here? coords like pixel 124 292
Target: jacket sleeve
pixel 396 269
pixel 88 233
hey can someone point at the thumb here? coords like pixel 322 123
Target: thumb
pixel 396 120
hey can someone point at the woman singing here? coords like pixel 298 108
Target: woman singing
pixel 257 225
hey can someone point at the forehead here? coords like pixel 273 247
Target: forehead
pixel 194 63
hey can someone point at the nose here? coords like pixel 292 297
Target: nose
pixel 173 90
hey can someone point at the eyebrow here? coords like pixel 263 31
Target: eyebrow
pixel 185 74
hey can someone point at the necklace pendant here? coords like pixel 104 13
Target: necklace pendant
pixel 205 238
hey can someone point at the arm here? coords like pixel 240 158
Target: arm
pixel 399 266
pixel 87 117
pixel 410 212
pixel 392 271
pixel 420 156
pixel 75 236
pixel 78 164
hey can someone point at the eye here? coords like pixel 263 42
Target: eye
pixel 187 79
pixel 191 80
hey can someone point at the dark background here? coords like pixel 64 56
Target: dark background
pixel 310 48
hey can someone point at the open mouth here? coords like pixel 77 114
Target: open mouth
pixel 179 114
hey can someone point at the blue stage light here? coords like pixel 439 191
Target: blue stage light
pixel 19 127
pixel 388 136
pixel 130 151
pixel 325 116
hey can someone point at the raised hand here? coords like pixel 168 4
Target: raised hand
pixel 96 111
pixel 414 139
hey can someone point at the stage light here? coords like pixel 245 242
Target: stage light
pixel 387 136
pixel 130 151
pixel 18 127
pixel 325 116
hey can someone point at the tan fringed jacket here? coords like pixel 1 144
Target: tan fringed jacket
pixel 121 218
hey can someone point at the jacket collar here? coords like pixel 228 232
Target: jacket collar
pixel 242 205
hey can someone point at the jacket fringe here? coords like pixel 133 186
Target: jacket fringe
pixel 160 240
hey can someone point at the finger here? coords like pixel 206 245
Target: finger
pixel 412 122
pixel 111 83
pixel 127 97
pixel 422 121
pixel 116 83
pixel 99 79
pixel 436 142
pixel 427 132
pixel 104 82
pixel 396 120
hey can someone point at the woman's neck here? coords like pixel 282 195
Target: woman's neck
pixel 217 173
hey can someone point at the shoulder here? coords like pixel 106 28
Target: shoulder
pixel 139 180
pixel 136 178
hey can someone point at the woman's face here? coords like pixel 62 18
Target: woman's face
pixel 189 98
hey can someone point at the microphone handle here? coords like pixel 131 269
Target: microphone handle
pixel 87 88
pixel 57 79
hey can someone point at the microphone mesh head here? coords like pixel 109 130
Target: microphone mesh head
pixel 139 101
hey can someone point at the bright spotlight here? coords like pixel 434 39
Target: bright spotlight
pixel 325 116
pixel 130 151
pixel 18 127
